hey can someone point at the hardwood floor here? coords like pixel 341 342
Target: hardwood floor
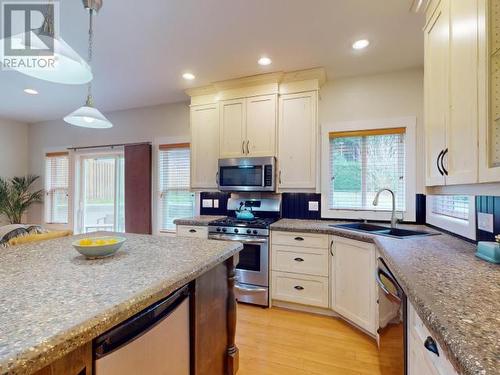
pixel 277 341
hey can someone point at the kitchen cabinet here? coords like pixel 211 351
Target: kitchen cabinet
pixel 297 141
pixel 353 286
pixel 248 127
pixel 451 93
pixel 425 355
pixel 204 146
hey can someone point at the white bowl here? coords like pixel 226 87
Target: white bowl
pixel 99 251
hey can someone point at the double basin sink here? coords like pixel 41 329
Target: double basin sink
pixel 382 231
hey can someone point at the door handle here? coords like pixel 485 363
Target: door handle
pixel 438 163
pixel 243 147
pixel 331 249
pixel 248 150
pixel 279 176
pixel 192 231
pixel 298 259
pixel 442 162
pixel 217 178
pixel 299 239
pixel 298 287
pixel 431 345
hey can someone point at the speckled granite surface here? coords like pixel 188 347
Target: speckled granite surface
pixel 53 300
pixel 456 294
pixel 202 220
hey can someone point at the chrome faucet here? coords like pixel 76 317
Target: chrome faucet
pixel 393 215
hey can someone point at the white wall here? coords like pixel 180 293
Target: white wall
pixel 13 150
pixel 375 97
pixel 134 125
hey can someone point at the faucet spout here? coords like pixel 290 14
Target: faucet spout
pixel 393 214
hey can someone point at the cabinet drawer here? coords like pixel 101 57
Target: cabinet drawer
pixel 192 231
pixel 309 261
pixel 303 289
pixel 300 239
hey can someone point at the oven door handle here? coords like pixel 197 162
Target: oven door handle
pixel 223 237
pixel 249 289
pixel 393 297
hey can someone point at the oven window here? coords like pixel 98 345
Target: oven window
pixel 250 258
pixel 241 176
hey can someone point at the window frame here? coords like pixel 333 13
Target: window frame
pixel 409 123
pixel 464 228
pixel 53 153
pixel 156 201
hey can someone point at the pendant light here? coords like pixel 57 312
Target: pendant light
pixel 69 67
pixel 88 116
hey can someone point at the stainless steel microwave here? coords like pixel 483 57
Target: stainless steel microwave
pixel 247 174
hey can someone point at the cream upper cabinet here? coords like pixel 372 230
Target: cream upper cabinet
pixel 232 128
pixel 297 140
pixel 248 127
pixel 489 90
pixel 204 146
pixel 261 120
pixel 353 286
pixel 451 93
pixel 461 160
pixel 436 92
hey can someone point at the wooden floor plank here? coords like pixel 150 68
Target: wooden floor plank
pixel 283 342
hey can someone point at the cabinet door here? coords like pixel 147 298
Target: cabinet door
pixel 436 91
pixel 261 126
pixel 297 140
pixel 204 146
pixel 232 128
pixel 353 278
pixel 461 161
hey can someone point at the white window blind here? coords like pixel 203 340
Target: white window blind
pixel 176 201
pixel 57 188
pixel 455 206
pixel 363 162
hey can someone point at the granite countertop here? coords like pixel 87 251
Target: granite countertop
pixel 53 300
pixel 202 220
pixel 456 294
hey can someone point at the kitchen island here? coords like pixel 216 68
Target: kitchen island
pixel 54 302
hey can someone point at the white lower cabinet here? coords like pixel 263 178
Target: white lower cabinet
pixel 425 355
pixel 353 286
pixel 192 231
pixel 303 289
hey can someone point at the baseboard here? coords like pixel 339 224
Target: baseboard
pixel 304 308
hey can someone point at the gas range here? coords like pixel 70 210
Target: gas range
pixel 231 225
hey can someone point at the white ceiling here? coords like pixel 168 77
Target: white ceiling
pixel 143 47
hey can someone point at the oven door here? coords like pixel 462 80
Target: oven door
pixel 246 174
pixel 253 266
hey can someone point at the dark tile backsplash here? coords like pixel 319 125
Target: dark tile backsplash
pixel 488 205
pixel 296 206
pixel 221 210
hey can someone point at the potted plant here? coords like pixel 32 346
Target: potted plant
pixel 16 197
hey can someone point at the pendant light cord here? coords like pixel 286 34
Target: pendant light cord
pixel 90 99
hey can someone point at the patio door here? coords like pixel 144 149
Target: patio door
pixel 102 193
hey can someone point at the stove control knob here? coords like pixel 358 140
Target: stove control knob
pixel 255 232
pixel 236 230
pixel 249 231
pixel 218 229
pixel 224 230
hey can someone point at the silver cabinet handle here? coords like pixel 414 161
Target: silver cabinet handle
pixel 247 289
pixel 248 150
pixel 243 147
pixel 331 248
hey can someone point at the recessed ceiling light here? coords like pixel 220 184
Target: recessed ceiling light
pixel 361 44
pixel 188 76
pixel 265 61
pixel 31 91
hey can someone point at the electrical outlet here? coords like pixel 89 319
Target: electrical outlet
pixel 207 203
pixel 313 206
pixel 485 222
pixel 216 203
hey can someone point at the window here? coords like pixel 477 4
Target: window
pixel 56 188
pixel 454 206
pixel 363 162
pixel 176 200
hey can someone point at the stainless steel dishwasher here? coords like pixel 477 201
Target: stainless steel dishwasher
pixel 153 342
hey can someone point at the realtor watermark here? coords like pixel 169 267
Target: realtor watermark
pixel 28 33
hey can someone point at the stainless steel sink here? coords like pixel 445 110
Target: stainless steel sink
pixel 383 231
